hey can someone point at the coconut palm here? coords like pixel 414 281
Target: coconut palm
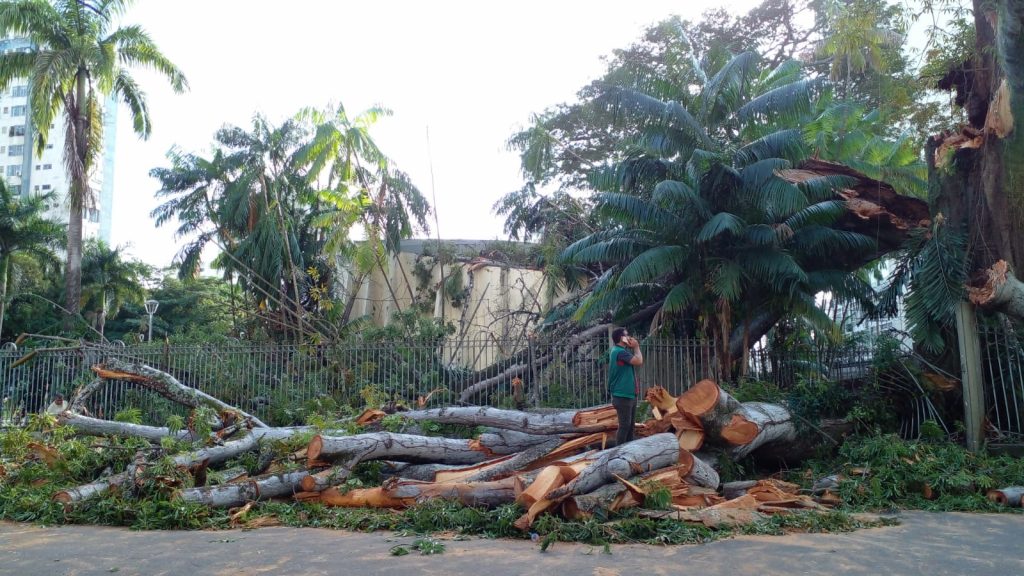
pixel 109 281
pixel 24 233
pixel 76 58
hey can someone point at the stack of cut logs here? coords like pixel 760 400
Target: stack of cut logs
pixel 557 462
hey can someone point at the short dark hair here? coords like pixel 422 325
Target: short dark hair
pixel 617 334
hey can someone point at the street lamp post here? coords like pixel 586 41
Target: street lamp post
pixel 151 306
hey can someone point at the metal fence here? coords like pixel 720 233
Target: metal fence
pixel 283 383
pixel 1003 375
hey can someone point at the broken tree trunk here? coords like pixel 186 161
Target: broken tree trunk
pixel 637 457
pixel 528 422
pixel 165 385
pixel 1001 292
pixel 238 493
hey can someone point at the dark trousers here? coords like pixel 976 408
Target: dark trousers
pixel 625 408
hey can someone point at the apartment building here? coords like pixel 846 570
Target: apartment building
pixel 30 171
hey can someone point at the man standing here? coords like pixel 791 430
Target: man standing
pixel 622 382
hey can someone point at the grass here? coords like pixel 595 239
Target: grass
pixel 896 474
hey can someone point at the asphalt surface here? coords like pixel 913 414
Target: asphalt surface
pixel 924 543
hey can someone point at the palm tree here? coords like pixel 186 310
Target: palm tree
pixel 109 281
pixel 77 58
pixel 700 219
pixel 362 186
pixel 24 232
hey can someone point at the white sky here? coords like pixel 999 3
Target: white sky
pixel 473 72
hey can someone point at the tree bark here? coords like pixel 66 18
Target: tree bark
pixel 645 454
pixel 238 493
pixel 527 422
pixel 351 450
pixel 757 424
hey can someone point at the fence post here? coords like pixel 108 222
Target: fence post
pixel 970 373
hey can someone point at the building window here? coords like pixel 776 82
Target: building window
pixel 16 130
pixel 14 170
pixel 6 109
pixel 47 166
pixel 49 146
pixel 94 215
pixel 16 189
pixel 46 186
pixel 16 150
pixel 19 91
pixel 17 110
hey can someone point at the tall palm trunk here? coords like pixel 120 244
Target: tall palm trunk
pixel 78 194
pixel 5 263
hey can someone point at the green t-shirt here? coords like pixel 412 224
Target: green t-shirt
pixel 621 375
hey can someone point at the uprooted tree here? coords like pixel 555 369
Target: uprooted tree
pixel 559 462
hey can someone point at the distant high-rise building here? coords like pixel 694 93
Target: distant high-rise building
pixel 28 171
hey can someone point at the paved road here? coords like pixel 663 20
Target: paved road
pixel 923 544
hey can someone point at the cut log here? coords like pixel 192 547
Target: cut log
pixel 705 397
pixel 711 405
pixel 166 385
pixel 238 493
pixel 757 424
pixel 500 442
pixel 349 451
pixel 1001 291
pixel 1010 496
pixel 528 422
pixel 628 460
pixel 323 480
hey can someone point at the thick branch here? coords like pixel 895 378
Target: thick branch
pixel 165 385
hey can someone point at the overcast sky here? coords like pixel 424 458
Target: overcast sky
pixel 470 72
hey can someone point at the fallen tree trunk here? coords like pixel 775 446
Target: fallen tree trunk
pixel 528 422
pixel 166 385
pixel 757 424
pixel 351 450
pixel 238 493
